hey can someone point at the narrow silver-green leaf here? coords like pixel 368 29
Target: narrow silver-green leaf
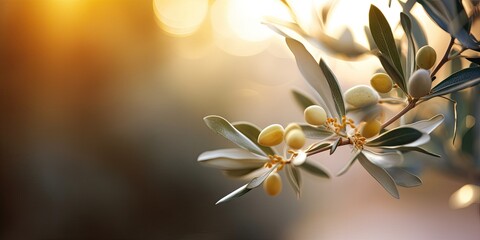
pixel 384 159
pixel 410 61
pixel 396 137
pixel 318 147
pixel 231 159
pixel 315 132
pixel 235 194
pixel 312 73
pixel 380 175
pixel 302 100
pixel 294 178
pixel 460 80
pixel 334 88
pixel 391 70
pixel 427 126
pixel 260 179
pixel 383 37
pixel 417 149
pixel 403 178
pixel 223 127
pixel 335 145
pixel 349 164
pixel 315 169
pixel 251 132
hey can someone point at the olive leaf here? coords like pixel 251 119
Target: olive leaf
pixel 318 147
pixel 417 149
pixel 460 80
pixel 383 37
pixel 410 61
pixel 427 126
pixel 349 164
pixel 235 194
pixel 391 70
pixel 293 176
pixel 260 179
pixel 231 159
pixel 302 100
pixel 334 88
pixel 474 60
pixel 313 74
pixel 251 132
pixel 315 132
pixel 403 178
pixel 384 159
pixel 380 175
pixel 396 137
pixel 223 127
pixel 418 33
pixel 335 145
pixel 315 169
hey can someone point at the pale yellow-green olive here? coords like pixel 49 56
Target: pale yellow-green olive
pixel 419 83
pixel 315 115
pixel 361 96
pixel 273 184
pixel 271 135
pixel 426 57
pixel 291 127
pixel 295 138
pixel 371 128
pixel 381 82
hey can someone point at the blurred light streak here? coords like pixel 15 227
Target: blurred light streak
pixel 180 17
pixel 465 196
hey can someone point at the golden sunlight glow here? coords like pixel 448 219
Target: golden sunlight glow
pixel 465 196
pixel 245 18
pixel 180 17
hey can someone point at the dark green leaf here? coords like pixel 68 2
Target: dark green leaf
pixel 334 88
pixel 251 132
pixel 391 70
pixel 293 176
pixel 335 145
pixel 349 164
pixel 302 100
pixel 404 178
pixel 224 128
pixel 383 36
pixel 315 132
pixel 460 80
pixel 312 73
pixel 468 141
pixel 410 61
pixel 380 175
pixel 315 169
pixel 396 137
pixel 474 60
pixel 237 193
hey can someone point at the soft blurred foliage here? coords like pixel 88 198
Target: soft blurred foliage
pixel 101 124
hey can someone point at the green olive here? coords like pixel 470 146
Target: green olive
pixel 371 128
pixel 295 138
pixel 426 57
pixel 381 82
pixel 315 115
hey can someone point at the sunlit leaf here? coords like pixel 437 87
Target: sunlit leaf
pixel 302 100
pixel 231 159
pixel 315 132
pixel 294 178
pixel 312 73
pixel 318 147
pixel 224 128
pixel 380 175
pixel 349 164
pixel 460 80
pixel 251 132
pixel 404 178
pixel 396 137
pixel 235 194
pixel 371 42
pixel 410 60
pixel 383 36
pixel 427 126
pixel 334 88
pixel 315 169
pixel 300 158
pixel 385 159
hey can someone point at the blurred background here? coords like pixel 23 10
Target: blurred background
pixel 101 123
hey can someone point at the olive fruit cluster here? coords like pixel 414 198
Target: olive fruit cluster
pixel 275 134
